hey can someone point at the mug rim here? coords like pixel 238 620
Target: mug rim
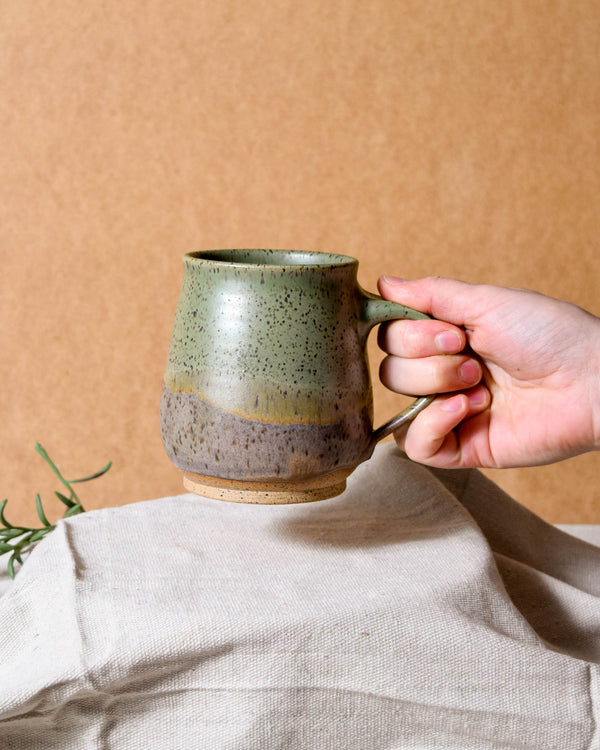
pixel 270 258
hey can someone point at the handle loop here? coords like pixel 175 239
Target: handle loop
pixel 378 310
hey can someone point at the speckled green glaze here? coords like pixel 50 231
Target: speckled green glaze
pixel 267 377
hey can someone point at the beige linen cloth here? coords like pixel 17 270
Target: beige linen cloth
pixel 420 609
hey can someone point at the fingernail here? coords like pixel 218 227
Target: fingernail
pixel 448 341
pixel 453 404
pixel 479 397
pixel 393 280
pixel 470 371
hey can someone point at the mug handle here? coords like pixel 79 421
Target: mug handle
pixel 378 310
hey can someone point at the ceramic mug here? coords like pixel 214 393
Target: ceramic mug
pixel 267 394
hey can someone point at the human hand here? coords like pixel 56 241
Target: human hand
pixel 519 373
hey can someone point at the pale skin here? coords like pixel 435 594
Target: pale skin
pixel 518 374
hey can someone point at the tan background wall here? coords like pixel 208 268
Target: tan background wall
pixel 453 137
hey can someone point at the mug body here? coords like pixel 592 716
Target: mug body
pixel 267 385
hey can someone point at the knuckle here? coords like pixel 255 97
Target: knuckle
pixel 412 340
pixel 409 338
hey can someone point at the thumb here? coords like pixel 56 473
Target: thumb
pixel 453 301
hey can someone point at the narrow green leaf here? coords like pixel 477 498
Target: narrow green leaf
pixel 97 474
pixel 40 510
pixel 12 533
pixel 37 535
pixel 42 451
pixel 11 566
pixel 64 499
pixel 2 516
pixel 4 548
pixel 73 511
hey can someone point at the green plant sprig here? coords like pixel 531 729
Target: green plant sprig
pixel 17 540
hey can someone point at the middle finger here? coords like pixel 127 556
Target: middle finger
pixel 436 374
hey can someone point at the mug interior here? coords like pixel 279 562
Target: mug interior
pixel 263 257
